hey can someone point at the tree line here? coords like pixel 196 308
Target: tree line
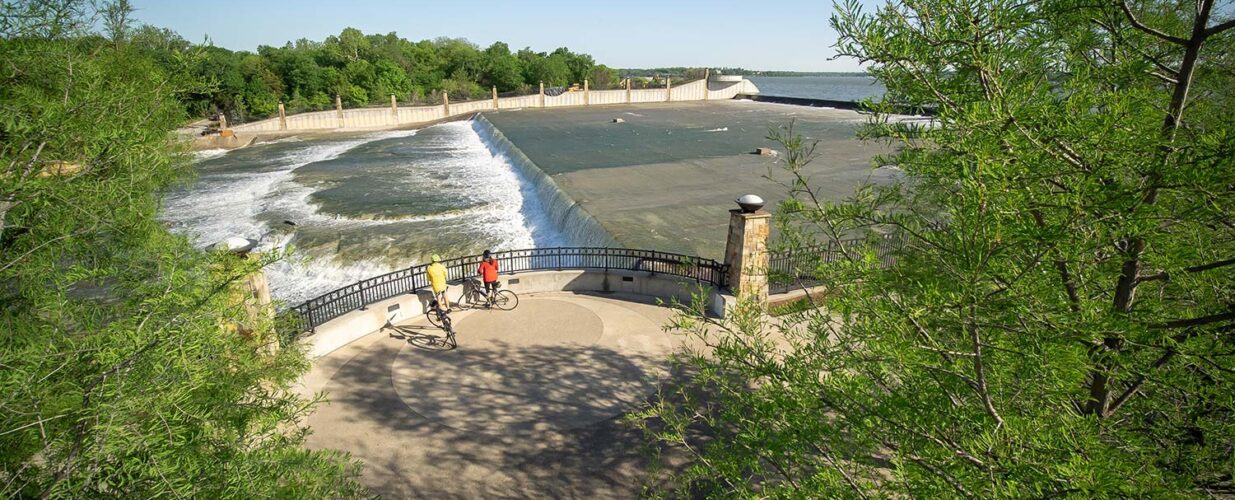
pixel 363 70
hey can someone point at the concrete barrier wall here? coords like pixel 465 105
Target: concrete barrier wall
pixel 349 327
pixel 411 116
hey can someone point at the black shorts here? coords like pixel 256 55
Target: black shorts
pixel 490 286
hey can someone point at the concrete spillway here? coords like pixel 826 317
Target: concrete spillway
pixel 566 217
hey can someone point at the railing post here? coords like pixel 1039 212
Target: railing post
pixel 394 109
pixel 495 105
pixel 668 89
pixel 706 76
pixel 628 89
pixel 587 100
pixel 542 94
pixel 446 104
pixel 338 108
pixel 282 117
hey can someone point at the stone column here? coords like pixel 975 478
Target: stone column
pixel 707 76
pixel 587 94
pixel 338 107
pixel 394 109
pixel 668 90
pixel 446 103
pixel 495 105
pixel 746 254
pixel 222 121
pixel 628 89
pixel 282 117
pixel 542 94
pixel 253 293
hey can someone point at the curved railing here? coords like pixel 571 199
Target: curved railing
pixel 328 306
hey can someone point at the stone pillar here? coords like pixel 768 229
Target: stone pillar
pixel 282 117
pixel 222 121
pixel 668 90
pixel 746 254
pixel 253 293
pixel 446 103
pixel 707 76
pixel 628 80
pixel 338 107
pixel 495 105
pixel 587 94
pixel 542 94
pixel 394 109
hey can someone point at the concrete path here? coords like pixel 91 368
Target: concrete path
pixel 528 405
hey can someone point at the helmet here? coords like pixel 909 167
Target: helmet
pixel 436 258
pixel 487 254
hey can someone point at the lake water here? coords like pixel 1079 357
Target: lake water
pixel 837 88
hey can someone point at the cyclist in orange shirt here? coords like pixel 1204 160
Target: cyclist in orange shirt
pixel 488 274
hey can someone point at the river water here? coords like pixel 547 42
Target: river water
pixel 362 204
pixel 832 87
pixel 366 204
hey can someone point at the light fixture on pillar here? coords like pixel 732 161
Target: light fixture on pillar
pixel 237 245
pixel 750 203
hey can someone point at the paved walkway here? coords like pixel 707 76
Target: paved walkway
pixel 528 405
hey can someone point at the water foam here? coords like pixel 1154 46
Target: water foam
pixel 506 206
pixel 230 205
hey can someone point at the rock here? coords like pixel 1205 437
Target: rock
pixel 618 120
pixel 765 152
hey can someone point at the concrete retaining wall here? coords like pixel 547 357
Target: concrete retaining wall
pixel 349 327
pixel 387 118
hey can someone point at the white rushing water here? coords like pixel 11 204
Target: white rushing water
pixel 246 196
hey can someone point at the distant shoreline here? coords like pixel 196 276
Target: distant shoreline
pixel 648 72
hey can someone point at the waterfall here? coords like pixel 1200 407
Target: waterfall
pixel 572 223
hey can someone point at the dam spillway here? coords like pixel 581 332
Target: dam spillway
pixel 368 203
pixel 664 177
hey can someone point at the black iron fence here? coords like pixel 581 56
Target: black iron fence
pixel 318 310
pixel 797 266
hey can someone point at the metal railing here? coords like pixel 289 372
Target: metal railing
pixel 319 310
pixel 797 266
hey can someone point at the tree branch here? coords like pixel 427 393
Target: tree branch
pixel 1214 30
pixel 1203 320
pixel 1137 24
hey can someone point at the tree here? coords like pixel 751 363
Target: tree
pixel 131 367
pixel 1058 320
pixel 501 68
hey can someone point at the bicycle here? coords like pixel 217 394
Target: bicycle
pixel 474 296
pixel 440 318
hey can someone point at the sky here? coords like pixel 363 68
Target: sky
pixel 788 35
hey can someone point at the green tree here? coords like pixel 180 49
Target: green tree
pixel 1059 318
pixel 130 368
pixel 501 68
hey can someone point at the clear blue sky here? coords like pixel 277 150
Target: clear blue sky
pixel 770 35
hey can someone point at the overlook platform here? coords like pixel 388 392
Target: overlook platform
pixel 528 405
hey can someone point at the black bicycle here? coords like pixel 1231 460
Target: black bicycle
pixel 441 319
pixel 474 296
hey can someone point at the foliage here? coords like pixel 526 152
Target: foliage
pixel 362 69
pixel 1060 319
pixel 131 366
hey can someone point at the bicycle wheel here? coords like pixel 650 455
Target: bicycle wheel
pixel 506 300
pixel 468 299
pixel 450 333
pixel 434 317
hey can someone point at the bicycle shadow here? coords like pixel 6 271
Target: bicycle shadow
pixel 415 336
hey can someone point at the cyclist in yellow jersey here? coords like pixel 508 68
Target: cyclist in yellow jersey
pixel 437 281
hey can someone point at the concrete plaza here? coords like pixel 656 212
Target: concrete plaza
pixel 530 404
